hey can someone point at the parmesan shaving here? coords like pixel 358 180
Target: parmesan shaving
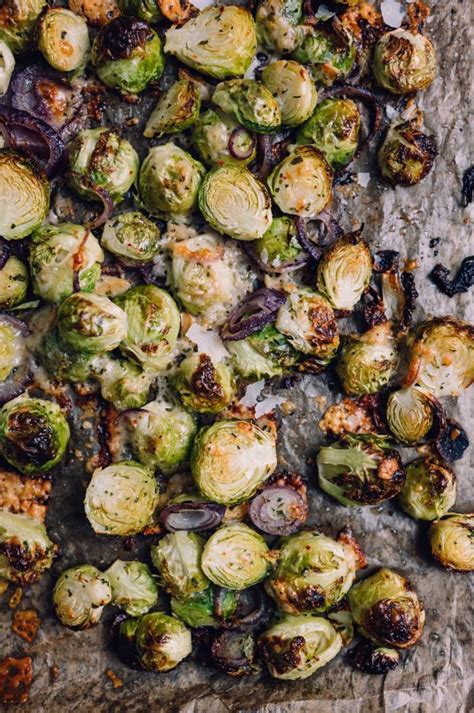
pixel 392 12
pixel 207 342
pixel 252 392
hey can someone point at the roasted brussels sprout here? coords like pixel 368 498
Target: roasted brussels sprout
pixel 264 353
pixel 100 161
pixel 177 109
pixel 231 459
pixel 235 203
pixel 147 10
pixel 162 641
pixel 64 258
pixel 63 363
pixel 63 39
pixel 133 587
pixel 236 557
pixel 330 54
pixel 368 361
pixel 133 237
pixel 302 183
pixel 122 382
pixel 293 89
pixel 204 386
pixel 296 646
pixel 334 130
pixel 452 542
pixel 370 659
pixel 250 103
pixel 404 61
pixel 344 271
pixel 33 434
pixel 279 245
pixel 169 181
pixel 409 415
pixel 7 65
pixel 219 139
pixel 177 557
pixel 430 489
pixel 278 24
pixel 407 154
pixel 127 55
pixel 220 41
pixel 12 350
pixel 314 572
pixel 210 607
pixel 121 499
pixel 162 435
pixel 80 595
pixel 13 283
pixel 91 323
pixel 153 325
pixel 96 13
pixel 123 639
pixel 387 610
pixel 24 195
pixel 25 548
pixel 17 22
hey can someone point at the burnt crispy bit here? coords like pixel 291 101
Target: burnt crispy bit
pixel 461 282
pixel 410 298
pixel 282 656
pixel 452 441
pixel 204 380
pixel 467 186
pixel 26 624
pixel 346 536
pixel 370 659
pixel 16 676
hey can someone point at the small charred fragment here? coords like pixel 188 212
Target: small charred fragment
pixel 411 295
pixel 467 186
pixel 461 282
pixel 26 623
pixel 373 312
pixel 452 441
pixel 386 261
pixel 370 659
pixel 235 653
pixel 16 676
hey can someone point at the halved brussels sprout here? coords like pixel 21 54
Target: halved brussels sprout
pixel 360 470
pixel 91 323
pixel 407 154
pixel 236 557
pixel 162 642
pixel 430 489
pixel 147 10
pixel 99 160
pixel 169 181
pixel 452 541
pixel 296 646
pixel 250 103
pixel 278 24
pixel 63 258
pixel 13 283
pixel 307 319
pixel 219 139
pixel 17 22
pixel 121 499
pixel 13 349
pixel 207 608
pixel 279 245
pixel 387 610
pixel 25 548
pixel 294 90
pixel 235 203
pixel 80 595
pixel 344 271
pixel 177 557
pixel 127 55
pixel 409 415
pixel 133 587
pixel 133 237
pixel 122 382
pixel 302 183
pixel 330 54
pixel 404 62
pixel 264 353
pixel 7 65
pixel 33 434
pixel 204 386
pixel 24 195
pixel 220 41
pixel 177 109
pixel 153 325
pixel 63 39
pixel 231 459
pixel 368 362
pixel 63 363
pixel 314 572
pixel 334 130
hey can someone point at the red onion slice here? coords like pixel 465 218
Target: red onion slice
pixel 235 653
pixel 192 516
pixel 305 241
pixel 252 314
pixel 5 252
pixel 253 610
pixel 278 510
pixel 235 149
pixel 25 132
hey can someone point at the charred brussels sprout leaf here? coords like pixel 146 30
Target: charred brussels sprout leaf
pixel 278 24
pixel 80 595
pixel 133 237
pixel 204 386
pixel 250 103
pixel 24 195
pixel 177 109
pixel 162 642
pixel 209 607
pixel 91 323
pixel 25 549
pixel 63 39
pixel 264 353
pixel 404 61
pixel 133 587
pixel 177 557
pixel 409 415
pixel 17 22
pixel 344 271
pixel 368 362
pixel 13 283
pixel 430 489
pixel 293 89
pixel 452 542
pixel 215 134
pixel 334 130
pixel 331 55
pixel 407 154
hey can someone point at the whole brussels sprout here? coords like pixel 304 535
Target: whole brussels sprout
pixel 278 24
pixel 63 257
pixel 404 61
pixel 314 572
pixel 330 54
pixel 231 459
pixel 161 436
pixel 236 557
pixel 133 587
pixel 122 382
pixel 279 245
pixel 294 90
pixel 63 39
pixel 210 607
pixel 63 363
pixel 25 549
pixel 162 641
pixel 127 55
pixel 133 237
pixel 153 325
pixel 307 319
pixel 177 557
pixel 387 610
pixel 220 41
pixel 250 103
pixel 430 489
pixel 215 134
pixel 14 282
pixel 452 542
pixel 7 65
pixel 147 10
pixel 235 203
pixel 177 109
pixel 24 195
pixel 91 323
pixel 80 595
pixel 296 646
pixel 169 181
pixel 334 130
pixel 263 353
pixel 204 386
pixel 344 271
pixel 17 22
pixel 99 160
pixel 407 154
pixel 409 415
pixel 302 183
pixel 369 361
pixel 33 434
pixel 121 499
pixel 360 470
